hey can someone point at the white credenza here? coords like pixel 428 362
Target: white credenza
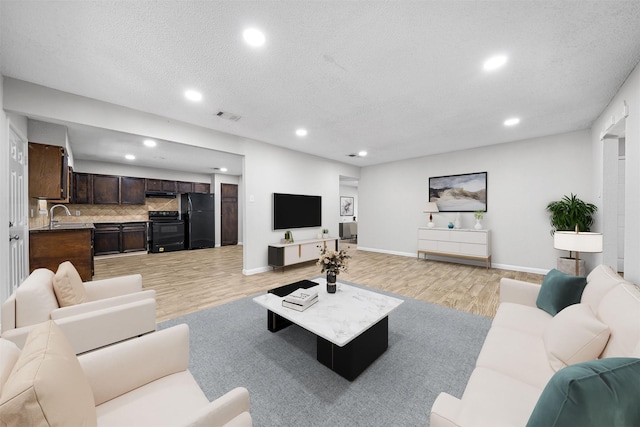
pixel 284 254
pixel 458 243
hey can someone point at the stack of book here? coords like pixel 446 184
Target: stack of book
pixel 301 299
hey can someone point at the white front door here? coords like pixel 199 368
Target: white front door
pixel 18 212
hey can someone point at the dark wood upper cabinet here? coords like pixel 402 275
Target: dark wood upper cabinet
pixel 48 172
pixel 169 186
pixel 132 190
pixel 201 187
pixel 184 187
pixel 106 189
pixel 82 188
pixel 153 184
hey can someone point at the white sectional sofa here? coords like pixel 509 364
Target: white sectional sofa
pixel 91 314
pixel 526 346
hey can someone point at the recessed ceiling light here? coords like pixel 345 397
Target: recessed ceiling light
pixel 253 36
pixel 223 169
pixel 362 153
pixel 494 62
pixel 149 142
pixel 193 95
pixel 301 132
pixel 130 157
pixel 512 122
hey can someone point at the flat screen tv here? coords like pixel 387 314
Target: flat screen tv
pixel 296 211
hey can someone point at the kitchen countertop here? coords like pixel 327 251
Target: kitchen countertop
pixel 64 226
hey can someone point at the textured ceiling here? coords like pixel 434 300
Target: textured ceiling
pixel 398 79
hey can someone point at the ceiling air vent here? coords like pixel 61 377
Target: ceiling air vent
pixel 228 116
pixel 352 155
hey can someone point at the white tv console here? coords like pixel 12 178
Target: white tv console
pixel 458 243
pixel 284 254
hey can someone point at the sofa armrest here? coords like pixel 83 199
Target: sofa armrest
pixel 231 408
pixel 518 291
pixel 19 335
pixel 89 331
pixel 91 306
pixel 444 411
pixel 120 368
pixel 114 286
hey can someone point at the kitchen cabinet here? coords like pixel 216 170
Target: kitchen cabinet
pixel 82 192
pixel 133 237
pixel 201 187
pixel 115 237
pixel 132 190
pixel 106 189
pixel 161 185
pixel 184 187
pixel 48 172
pixel 49 248
pixel 106 238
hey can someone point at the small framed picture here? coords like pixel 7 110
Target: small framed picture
pixel 346 206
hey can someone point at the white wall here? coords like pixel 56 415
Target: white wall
pixel 523 177
pixel 270 169
pixel 605 168
pixel 105 168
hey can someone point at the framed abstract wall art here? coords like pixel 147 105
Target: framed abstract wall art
pixel 346 206
pixel 459 193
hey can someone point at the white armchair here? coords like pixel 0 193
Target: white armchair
pixel 140 382
pixel 115 309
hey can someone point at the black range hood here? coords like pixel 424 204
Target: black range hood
pixel 160 194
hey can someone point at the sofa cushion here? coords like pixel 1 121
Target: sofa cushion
pixel 620 310
pixel 598 393
pixel 47 385
pixel 35 298
pixel 516 354
pixel 68 285
pixel 559 290
pixel 574 335
pixel 523 318
pixel 600 281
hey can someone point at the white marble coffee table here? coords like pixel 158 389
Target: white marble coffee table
pixel 351 325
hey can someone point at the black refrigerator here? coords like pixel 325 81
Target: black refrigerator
pixel 197 212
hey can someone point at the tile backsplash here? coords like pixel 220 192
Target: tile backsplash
pixel 101 213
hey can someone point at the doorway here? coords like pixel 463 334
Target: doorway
pixel 228 214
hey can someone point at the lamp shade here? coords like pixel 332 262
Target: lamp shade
pixel 431 207
pixel 577 242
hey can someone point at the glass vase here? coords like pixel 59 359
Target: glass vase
pixel 331 282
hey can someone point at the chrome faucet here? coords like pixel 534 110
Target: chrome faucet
pixel 51 220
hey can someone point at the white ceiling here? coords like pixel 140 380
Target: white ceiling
pixel 399 79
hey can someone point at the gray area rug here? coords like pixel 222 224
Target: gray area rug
pixel 431 349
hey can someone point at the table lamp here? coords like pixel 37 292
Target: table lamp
pixel 431 207
pixel 575 241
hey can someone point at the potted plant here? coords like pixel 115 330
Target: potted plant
pixel 325 233
pixel 333 262
pixel 569 214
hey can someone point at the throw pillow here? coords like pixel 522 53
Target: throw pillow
pixel 68 286
pixel 574 335
pixel 559 290
pixel 598 393
pixel 47 385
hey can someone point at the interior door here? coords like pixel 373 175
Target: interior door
pixel 229 214
pixel 18 211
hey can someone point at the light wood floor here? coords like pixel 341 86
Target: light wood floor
pixel 189 281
